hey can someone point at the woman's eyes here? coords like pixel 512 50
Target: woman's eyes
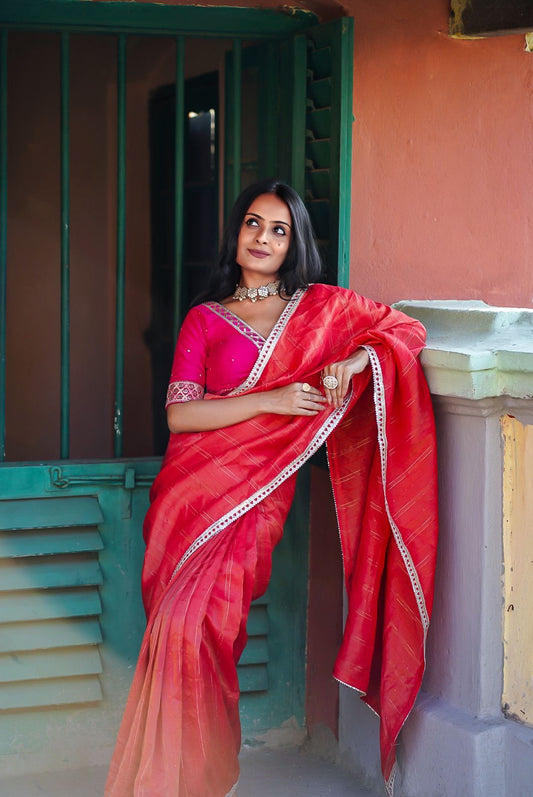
pixel 278 229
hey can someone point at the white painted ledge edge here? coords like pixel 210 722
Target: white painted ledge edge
pixel 475 350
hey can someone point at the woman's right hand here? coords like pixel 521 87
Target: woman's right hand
pixel 200 415
pixel 294 400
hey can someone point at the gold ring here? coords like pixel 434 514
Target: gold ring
pixel 330 382
pixel 306 387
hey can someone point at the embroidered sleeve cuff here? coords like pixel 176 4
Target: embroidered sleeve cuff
pixel 183 391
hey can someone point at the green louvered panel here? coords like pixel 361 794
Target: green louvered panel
pixel 16 607
pixel 253 678
pixel 253 664
pixel 328 142
pixel 68 632
pixel 49 602
pixel 53 692
pixel 36 513
pixel 61 663
pixel 53 571
pixel 49 541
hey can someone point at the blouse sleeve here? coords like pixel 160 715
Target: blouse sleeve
pixel 187 379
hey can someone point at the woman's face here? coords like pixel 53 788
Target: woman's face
pixel 263 240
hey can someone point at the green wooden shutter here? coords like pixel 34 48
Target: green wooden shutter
pixel 304 129
pixel 49 602
pixel 329 141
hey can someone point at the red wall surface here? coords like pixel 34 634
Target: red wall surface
pixel 442 158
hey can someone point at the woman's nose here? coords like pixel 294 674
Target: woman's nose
pixel 261 236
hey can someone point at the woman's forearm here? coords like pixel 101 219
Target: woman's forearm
pixel 202 415
pixel 205 415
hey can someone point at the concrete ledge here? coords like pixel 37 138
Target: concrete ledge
pixel 474 763
pixel 474 350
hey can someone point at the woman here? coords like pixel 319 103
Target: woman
pixel 269 366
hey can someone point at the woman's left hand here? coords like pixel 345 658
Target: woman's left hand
pixel 343 371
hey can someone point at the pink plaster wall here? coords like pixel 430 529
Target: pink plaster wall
pixel 442 158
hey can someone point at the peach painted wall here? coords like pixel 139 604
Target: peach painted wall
pixel 442 158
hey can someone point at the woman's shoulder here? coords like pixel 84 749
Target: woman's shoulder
pixel 201 310
pixel 195 320
pixel 325 291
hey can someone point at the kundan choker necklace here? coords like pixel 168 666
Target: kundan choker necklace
pixel 263 292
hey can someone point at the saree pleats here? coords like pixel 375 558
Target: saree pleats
pixel 180 735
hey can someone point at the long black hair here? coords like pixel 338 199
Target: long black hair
pixel 302 264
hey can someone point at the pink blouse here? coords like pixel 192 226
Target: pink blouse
pixel 215 352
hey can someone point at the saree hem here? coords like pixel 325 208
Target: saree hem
pixel 381 420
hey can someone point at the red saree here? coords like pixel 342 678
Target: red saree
pixel 218 507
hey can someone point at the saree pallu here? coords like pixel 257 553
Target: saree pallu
pixel 218 508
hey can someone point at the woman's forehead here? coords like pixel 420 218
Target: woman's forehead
pixel 270 208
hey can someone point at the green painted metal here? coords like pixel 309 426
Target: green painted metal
pixel 298 104
pixel 236 125
pixel 57 548
pixel 47 664
pixel 65 249
pixel 43 635
pixel 258 618
pixel 128 479
pixel 50 692
pixel 153 19
pixel 22 607
pixel 179 180
pixel 38 513
pixel 118 420
pixel 3 237
pixel 50 572
pixel 256 651
pixel 17 544
pixel 253 678
pixel 344 78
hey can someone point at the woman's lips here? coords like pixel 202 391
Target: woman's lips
pixel 258 253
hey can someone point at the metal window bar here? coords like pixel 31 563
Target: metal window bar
pixel 3 237
pixel 118 420
pixel 65 248
pixel 236 95
pixel 179 180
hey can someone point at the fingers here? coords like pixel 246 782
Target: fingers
pixel 336 388
pixel 309 400
pixel 334 384
pixel 309 391
pixel 301 398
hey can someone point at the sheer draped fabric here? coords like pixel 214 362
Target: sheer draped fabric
pixel 217 511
